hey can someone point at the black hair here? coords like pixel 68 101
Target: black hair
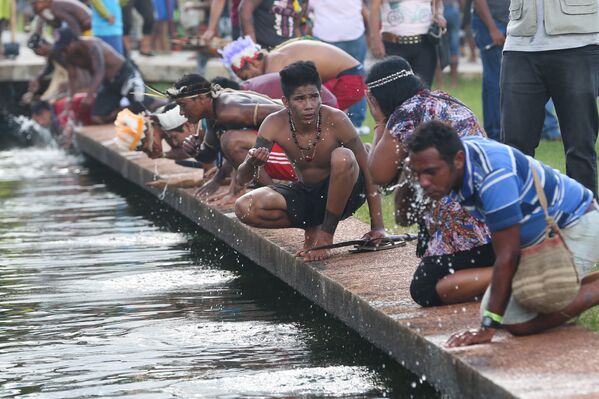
pixel 226 83
pixel 439 135
pixel 189 85
pixel 392 94
pixel 39 106
pixel 298 74
pixel 168 106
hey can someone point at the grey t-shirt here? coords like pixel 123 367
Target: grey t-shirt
pixel 500 10
pixel 541 41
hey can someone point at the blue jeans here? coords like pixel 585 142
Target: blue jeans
pixel 490 55
pixel 357 49
pixel 115 41
pixel 452 16
pixel 551 126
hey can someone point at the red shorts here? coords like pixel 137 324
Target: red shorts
pixel 349 89
pixel 278 166
pixel 81 113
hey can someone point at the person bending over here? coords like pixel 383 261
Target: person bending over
pixel 328 157
pixel 494 183
pixel 170 126
pixel 341 73
pixel 457 256
pixel 115 80
pixel 233 118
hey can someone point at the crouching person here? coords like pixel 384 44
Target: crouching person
pixel 494 182
pixel 329 160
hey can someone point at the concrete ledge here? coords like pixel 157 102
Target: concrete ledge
pixel 159 68
pixel 370 293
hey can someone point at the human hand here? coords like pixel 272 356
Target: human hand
pixel 497 37
pixel 375 109
pixel 440 19
pixel 111 19
pixel 207 36
pixel 258 156
pixel 470 337
pixel 376 45
pixel 208 188
pixel 191 145
pixel 33 86
pixel 375 236
pixel 209 174
pixel 27 98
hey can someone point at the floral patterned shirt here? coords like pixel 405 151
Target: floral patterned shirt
pixel 451 228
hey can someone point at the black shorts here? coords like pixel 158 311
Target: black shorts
pixel 109 96
pixel 306 204
pixel 433 268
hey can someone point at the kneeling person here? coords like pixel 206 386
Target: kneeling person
pixel 328 157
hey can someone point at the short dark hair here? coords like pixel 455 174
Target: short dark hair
pixel 190 84
pixel 298 74
pixel 439 135
pixel 226 83
pixel 39 106
pixel 392 94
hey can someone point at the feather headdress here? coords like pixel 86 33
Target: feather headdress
pixel 238 52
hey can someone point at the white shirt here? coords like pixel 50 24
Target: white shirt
pixel 337 21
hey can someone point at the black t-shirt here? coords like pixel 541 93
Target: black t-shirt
pixel 274 22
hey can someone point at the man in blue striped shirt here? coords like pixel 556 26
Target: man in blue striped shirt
pixel 494 183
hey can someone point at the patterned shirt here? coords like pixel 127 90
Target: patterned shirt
pixel 451 228
pixel 498 188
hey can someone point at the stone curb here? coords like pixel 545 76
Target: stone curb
pixel 368 292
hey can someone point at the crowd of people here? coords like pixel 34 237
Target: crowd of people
pixel 283 131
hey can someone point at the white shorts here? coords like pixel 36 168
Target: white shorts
pixel 582 239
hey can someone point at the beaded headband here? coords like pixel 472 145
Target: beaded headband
pixel 390 78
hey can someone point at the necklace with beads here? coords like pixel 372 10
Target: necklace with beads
pixel 305 151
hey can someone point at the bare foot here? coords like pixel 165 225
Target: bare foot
pixel 309 237
pixel 322 238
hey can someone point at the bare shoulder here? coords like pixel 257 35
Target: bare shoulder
pixel 275 125
pixel 337 122
pixel 333 115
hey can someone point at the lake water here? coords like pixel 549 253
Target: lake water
pixel 105 293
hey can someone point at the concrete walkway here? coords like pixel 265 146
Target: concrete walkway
pixel 369 293
pixel 158 68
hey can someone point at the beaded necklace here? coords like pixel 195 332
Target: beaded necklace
pixel 311 144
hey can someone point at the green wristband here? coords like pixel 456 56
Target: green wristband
pixel 494 316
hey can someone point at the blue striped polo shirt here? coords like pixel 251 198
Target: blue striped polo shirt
pixel 498 188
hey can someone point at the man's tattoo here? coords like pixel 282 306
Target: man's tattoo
pixel 329 225
pixel 262 142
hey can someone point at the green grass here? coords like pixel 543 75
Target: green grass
pixel 551 153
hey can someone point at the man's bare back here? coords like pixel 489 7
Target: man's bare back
pixel 74 13
pixel 329 60
pixel 236 109
pixel 87 54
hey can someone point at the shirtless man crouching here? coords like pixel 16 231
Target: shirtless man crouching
pixel 233 118
pixel 329 159
pixel 115 80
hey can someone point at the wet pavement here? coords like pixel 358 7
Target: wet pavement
pixel 370 293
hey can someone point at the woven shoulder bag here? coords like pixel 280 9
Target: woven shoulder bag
pixel 546 280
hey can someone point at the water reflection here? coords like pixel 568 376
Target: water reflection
pixel 104 292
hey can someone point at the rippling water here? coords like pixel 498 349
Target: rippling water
pixel 104 293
